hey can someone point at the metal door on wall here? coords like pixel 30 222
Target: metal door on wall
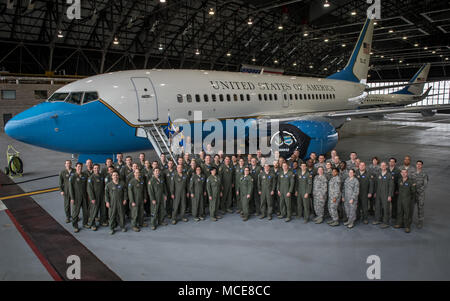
pixel 146 98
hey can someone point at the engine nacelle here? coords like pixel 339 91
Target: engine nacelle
pixel 307 136
pixel 428 113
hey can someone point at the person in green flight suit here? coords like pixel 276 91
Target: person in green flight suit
pixel 179 190
pixel 226 175
pixel 116 200
pixel 285 186
pixel 137 195
pixel 157 191
pixel 96 197
pixel 78 197
pixel 303 192
pixel 64 186
pixel 214 193
pixel 197 188
pixel 406 198
pixel 266 187
pixel 245 190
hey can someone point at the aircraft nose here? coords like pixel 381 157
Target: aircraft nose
pixel 27 126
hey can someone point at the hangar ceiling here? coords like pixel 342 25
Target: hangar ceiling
pixel 301 36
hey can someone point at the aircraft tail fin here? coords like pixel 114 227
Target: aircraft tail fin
pixel 420 77
pixel 357 67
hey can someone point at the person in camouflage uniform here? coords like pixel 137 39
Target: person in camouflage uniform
pixel 334 197
pixel 245 190
pixel 420 178
pixel 197 188
pixel 157 191
pixel 286 186
pixel 350 198
pixel 320 188
pixel 96 198
pixel 64 186
pixel 303 189
pixel 406 199
pixel 266 186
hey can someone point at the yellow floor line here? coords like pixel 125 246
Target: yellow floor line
pixel 28 193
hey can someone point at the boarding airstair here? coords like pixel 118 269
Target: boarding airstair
pixel 159 140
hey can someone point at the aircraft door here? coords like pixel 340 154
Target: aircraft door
pixel 146 99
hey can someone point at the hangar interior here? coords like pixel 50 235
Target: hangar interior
pixel 42 50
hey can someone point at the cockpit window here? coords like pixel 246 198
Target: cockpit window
pixel 90 96
pixel 75 97
pixel 58 97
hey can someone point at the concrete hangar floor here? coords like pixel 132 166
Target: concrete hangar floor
pixel 231 249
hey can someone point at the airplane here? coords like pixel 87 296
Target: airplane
pixel 127 111
pixel 406 96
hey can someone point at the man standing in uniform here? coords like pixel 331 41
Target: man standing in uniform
pixel 198 192
pixel 407 165
pixel 334 197
pixel 226 175
pixel 168 174
pixel 395 172
pixel 351 164
pixel 214 194
pixel 119 163
pixel 420 178
pixel 108 163
pixel 179 193
pixel 115 197
pixel 266 186
pixel 285 184
pixel 384 188
pixel 64 187
pixel 238 173
pixel 406 199
pixel 89 168
pixel 303 193
pixel 320 188
pixel 365 192
pixel 255 204
pixel 157 191
pixel 78 197
pixel 350 198
pixel 96 194
pixel 244 192
pixel 137 194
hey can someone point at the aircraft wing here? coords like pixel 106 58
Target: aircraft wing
pixel 288 116
pixel 387 110
pixel 370 89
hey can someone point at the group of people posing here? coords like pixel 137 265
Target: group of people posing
pixel 333 189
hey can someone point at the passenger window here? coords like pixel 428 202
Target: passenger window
pixel 275 96
pixel 235 97
pixel 221 97
pixel 75 98
pixel 242 97
pixel 180 98
pixel 265 97
pixel 285 96
pixel 248 97
pixel 213 97
pixel 205 97
pixel 290 96
pixel 189 98
pixel 300 96
pixel 197 98
pixel 309 96
pixel 296 96
pixel 270 97
pixel 228 97
pixel 90 96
